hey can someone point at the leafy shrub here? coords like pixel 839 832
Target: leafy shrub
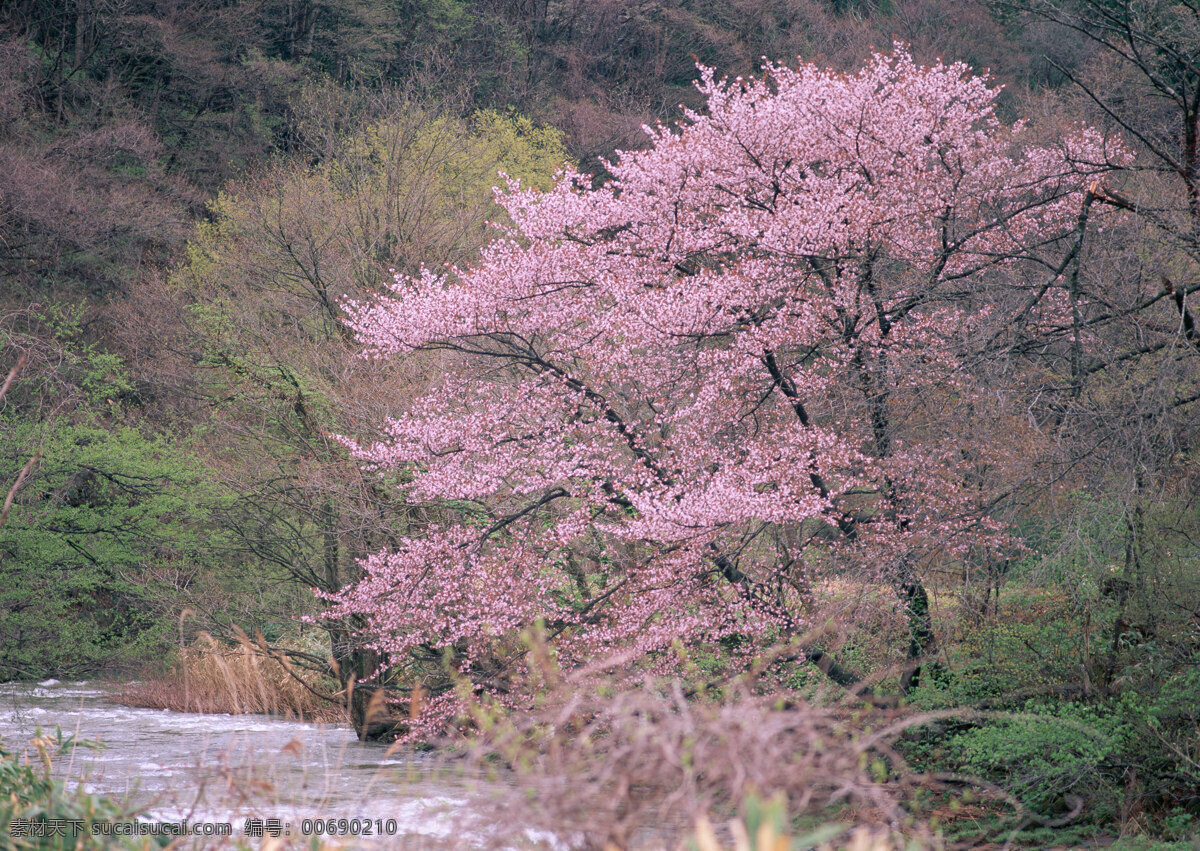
pixel 1041 755
pixel 1130 757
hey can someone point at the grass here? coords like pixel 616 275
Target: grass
pixel 211 678
pixel 1046 656
pixel 30 794
pixel 1028 656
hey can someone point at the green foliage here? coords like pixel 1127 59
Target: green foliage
pixel 107 511
pixel 1124 733
pixel 108 518
pixel 1133 753
pixel 261 287
pixel 517 147
pixel 1036 647
pixel 1041 754
pixel 81 366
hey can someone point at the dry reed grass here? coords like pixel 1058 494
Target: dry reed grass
pixel 642 768
pixel 212 678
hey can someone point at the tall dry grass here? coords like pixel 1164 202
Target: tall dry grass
pixel 643 767
pixel 209 677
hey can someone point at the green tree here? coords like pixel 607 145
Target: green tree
pixel 252 322
pixel 108 522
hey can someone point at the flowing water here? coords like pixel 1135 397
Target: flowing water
pixel 228 768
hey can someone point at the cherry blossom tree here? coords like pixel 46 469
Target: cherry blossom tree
pixel 672 399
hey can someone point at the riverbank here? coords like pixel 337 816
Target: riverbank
pixel 209 678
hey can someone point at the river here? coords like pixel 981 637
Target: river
pixel 176 766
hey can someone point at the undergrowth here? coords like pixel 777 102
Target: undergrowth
pixel 40 811
pixel 209 677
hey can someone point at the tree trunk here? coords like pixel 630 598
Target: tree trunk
pixel 365 703
pixel 921 639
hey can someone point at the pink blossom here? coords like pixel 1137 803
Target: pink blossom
pixel 679 393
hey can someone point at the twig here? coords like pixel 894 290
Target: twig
pixel 12 492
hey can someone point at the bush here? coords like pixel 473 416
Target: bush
pixel 1043 756
pixel 1130 759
